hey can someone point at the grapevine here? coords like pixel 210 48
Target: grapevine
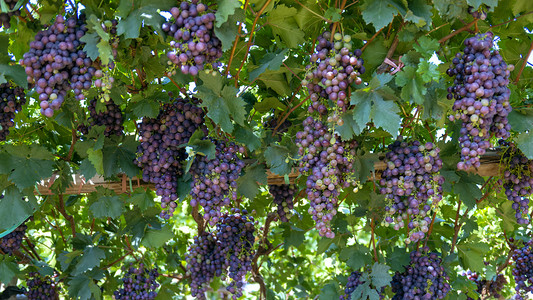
pixel 11 100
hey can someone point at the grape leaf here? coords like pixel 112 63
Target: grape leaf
pixel 15 73
pixel 472 254
pixel 328 292
pixel 120 158
pixel 426 46
pixel 277 158
pixel 80 287
pixel 450 9
pixel 284 26
pixel 355 256
pixel 521 6
pixel 525 143
pixel 107 206
pixel 521 120
pixel 92 256
pixel 349 127
pixel 293 236
pixel 385 115
pixel 254 176
pixel 380 275
pixel 413 85
pixel 428 71
pixel 467 188
pixel 227 32
pixel 270 61
pixel 477 3
pixel 225 9
pixel 154 238
pixel 8 269
pixel 130 27
pixel 379 12
pixel 247 137
pixel 143 198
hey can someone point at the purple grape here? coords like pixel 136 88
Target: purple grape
pixel 41 288
pixel 11 100
pixel 111 118
pixel 489 288
pixel 523 270
pixel 138 283
pixel 283 196
pixel 12 241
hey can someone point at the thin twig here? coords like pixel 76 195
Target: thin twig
pixel 456 227
pixel 235 42
pixel 287 114
pixel 466 27
pixel 71 150
pixel 373 227
pixel 513 19
pixel 523 64
pixel 68 217
pixel 314 13
pixel 371 39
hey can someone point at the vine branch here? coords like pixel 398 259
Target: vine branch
pixel 68 217
pixel 466 27
pixel 523 64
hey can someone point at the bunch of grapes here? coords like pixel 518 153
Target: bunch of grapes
pixel 491 288
pixel 481 97
pixel 12 241
pixel 195 44
pixel 283 196
pixel 214 182
pixel 110 117
pixel 56 63
pixel 517 180
pixel 138 283
pixel 523 269
pixel 424 278
pixel 235 235
pixel 412 186
pixel 334 66
pixel 161 150
pixel 11 100
pixel 5 17
pixel 41 288
pixel 204 262
pixel 353 282
pixel 328 161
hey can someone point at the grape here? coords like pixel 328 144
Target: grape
pixel 204 262
pixel 487 288
pixel 481 97
pixel 214 182
pixel 227 252
pixel 41 288
pixel 138 283
pixel 195 45
pixel 11 100
pixel 110 117
pixel 160 153
pixel 424 278
pixel 283 196
pixel 353 282
pixel 333 67
pixel 412 186
pixel 517 180
pixel 56 63
pixel 235 233
pixel 523 269
pixel 5 17
pixel 329 162
pixel 12 241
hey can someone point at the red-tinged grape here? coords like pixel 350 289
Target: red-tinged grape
pixel 110 117
pixel 214 184
pixel 41 288
pixel 194 43
pixel 333 67
pixel 328 162
pixel 5 17
pixel 517 180
pixel 138 283
pixel 11 100
pixel 12 241
pixel 283 197
pixel 412 186
pixel 487 288
pixel 424 278
pixel 161 150
pixel 481 95
pixel 523 270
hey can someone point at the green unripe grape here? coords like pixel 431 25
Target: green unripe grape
pixel 347 38
pixel 337 36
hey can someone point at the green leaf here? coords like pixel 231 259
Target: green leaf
pixel 8 270
pixel 385 115
pixel 450 9
pixel 14 208
pixel 130 27
pixel 227 32
pixel 397 259
pixel 143 198
pixel 380 275
pixel 80 287
pixel 521 120
pixel 525 143
pixel 120 158
pixel 428 71
pixel 293 236
pixel 426 46
pixel 277 159
pixel 91 258
pixel 472 254
pixel 148 109
pixel 225 9
pixel 379 12
pixel 467 188
pixel 270 61
pixel 16 73
pixel 349 128
pixel 363 106
pixel 246 136
pixel 329 292
pixel 477 3
pixel 249 183
pixel 521 6
pixel 97 160
pixel 284 26
pixel 107 206
pixel 419 13
pixel 356 256
pixel 507 214
pixel 201 145
pixel 154 238
pixel 413 86
pixel 333 14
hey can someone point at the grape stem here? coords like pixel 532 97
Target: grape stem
pixel 288 113
pixel 236 41
pixel 373 227
pixel 337 23
pixel 250 41
pixel 71 150
pixel 523 64
pixel 314 13
pixel 456 226
pixel 56 227
pixel 512 20
pixel 199 220
pixel 68 217
pixel 32 247
pixel 371 39
pixel 466 27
